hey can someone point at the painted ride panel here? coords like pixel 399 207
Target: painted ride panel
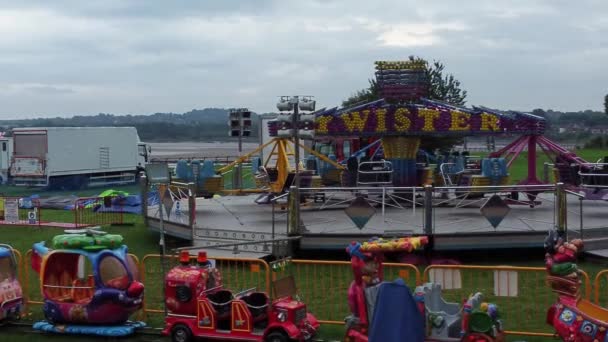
pixel 87 278
pixel 11 293
pixel 424 316
pixel 573 317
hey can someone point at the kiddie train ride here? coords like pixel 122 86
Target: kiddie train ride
pixel 89 283
pixel 573 317
pixel 11 294
pixel 200 307
pixel 388 311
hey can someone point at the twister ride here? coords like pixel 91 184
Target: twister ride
pixel 89 283
pixel 11 294
pixel 377 143
pixel 573 317
pixel 388 311
pixel 200 307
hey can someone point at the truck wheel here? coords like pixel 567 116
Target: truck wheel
pixel 277 336
pixel 181 333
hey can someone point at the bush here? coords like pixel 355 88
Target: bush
pixel 596 142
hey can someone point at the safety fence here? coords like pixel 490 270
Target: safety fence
pixel 323 285
pixel 238 274
pixel 17 211
pixel 97 211
pixel 520 292
pixel 177 204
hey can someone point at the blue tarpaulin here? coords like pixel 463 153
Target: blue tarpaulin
pixel 126 204
pixel 74 329
pixel 396 316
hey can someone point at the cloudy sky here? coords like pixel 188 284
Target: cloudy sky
pixel 63 58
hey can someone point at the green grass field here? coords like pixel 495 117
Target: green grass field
pixel 519 169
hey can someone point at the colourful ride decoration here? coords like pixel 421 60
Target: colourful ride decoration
pixel 388 311
pixel 475 320
pixel 11 294
pixel 89 283
pixel 404 115
pixel 574 318
pixel 200 307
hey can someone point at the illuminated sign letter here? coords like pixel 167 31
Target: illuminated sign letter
pixel 322 122
pixel 380 120
pixel 429 116
pixel 355 121
pixel 402 122
pixel 489 122
pixel 460 121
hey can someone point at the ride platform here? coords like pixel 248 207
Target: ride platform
pixel 458 223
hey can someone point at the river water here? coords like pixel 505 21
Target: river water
pixel 199 149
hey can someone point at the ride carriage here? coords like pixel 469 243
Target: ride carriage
pixel 388 311
pixel 11 294
pixel 89 283
pixel 573 317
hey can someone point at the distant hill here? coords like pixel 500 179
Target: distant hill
pixel 195 125
pixel 211 124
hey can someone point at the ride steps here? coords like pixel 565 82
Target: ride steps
pixel 233 243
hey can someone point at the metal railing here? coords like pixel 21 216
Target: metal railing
pixel 520 292
pixel 375 173
pixel 394 208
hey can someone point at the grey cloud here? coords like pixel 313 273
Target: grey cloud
pixel 47 90
pixel 150 56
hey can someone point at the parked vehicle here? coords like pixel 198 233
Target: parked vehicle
pixel 200 307
pixel 76 157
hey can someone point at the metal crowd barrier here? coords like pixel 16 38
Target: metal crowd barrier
pixel 520 292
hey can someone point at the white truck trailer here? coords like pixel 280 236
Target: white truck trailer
pixel 76 157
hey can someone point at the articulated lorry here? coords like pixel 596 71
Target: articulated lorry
pixel 76 157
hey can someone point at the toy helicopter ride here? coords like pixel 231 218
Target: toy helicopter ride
pixel 11 294
pixel 89 283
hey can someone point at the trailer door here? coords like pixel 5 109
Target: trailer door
pixel 29 152
pixel 30 144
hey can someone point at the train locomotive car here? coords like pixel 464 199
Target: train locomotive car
pixel 199 306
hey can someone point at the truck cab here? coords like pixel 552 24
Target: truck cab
pixel 199 306
pixel 6 150
pixel 143 155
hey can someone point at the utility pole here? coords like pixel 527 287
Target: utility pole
pixel 296 144
pixel 240 126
